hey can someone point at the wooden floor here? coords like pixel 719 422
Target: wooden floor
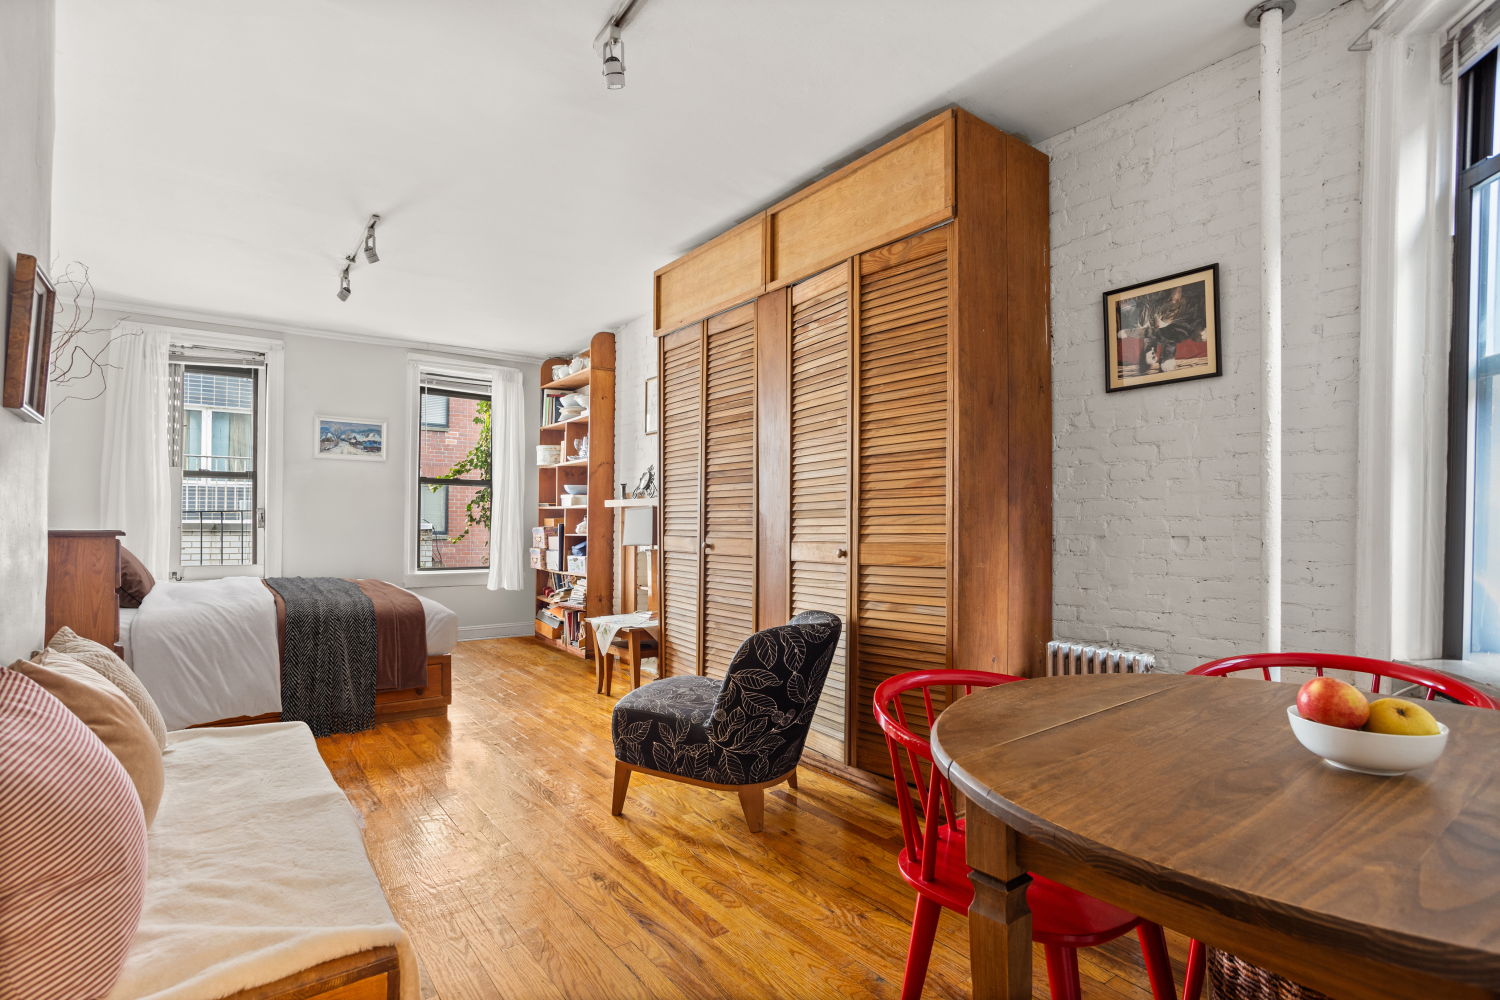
pixel 491 833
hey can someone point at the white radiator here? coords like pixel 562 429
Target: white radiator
pixel 1073 658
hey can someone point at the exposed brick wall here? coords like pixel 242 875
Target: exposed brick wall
pixel 441 449
pixel 1156 490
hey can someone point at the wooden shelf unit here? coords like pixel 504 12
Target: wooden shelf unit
pixel 597 472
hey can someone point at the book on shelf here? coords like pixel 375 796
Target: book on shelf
pixel 552 405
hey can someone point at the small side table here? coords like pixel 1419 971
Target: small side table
pixel 632 644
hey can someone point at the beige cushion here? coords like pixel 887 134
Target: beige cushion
pixel 103 660
pixel 72 851
pixel 104 709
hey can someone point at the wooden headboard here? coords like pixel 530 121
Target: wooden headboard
pixel 83 570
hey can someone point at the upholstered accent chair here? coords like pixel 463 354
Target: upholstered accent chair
pixel 744 734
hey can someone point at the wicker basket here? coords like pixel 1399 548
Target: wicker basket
pixel 1236 979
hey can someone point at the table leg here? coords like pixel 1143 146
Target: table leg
pixel 598 669
pixel 635 659
pixel 999 919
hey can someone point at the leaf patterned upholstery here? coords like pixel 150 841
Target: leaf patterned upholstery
pixel 749 728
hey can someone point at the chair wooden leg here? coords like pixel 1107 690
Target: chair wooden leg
pixel 1197 962
pixel 1158 965
pixel 753 801
pixel 1062 972
pixel 622 782
pixel 792 780
pixel 919 952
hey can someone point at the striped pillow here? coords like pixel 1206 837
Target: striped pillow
pixel 73 840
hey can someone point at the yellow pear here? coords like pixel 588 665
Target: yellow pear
pixel 1399 717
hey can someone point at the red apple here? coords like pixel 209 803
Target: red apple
pixel 1333 703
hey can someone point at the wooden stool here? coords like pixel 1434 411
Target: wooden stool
pixel 632 645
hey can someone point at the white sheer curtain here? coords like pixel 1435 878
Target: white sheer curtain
pixel 135 479
pixel 507 525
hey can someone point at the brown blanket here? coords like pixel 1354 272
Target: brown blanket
pixel 400 635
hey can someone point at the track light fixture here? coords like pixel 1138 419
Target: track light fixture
pixel 367 244
pixel 614 62
pixel 611 47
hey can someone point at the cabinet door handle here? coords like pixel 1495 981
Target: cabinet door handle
pixel 708 546
pixel 841 554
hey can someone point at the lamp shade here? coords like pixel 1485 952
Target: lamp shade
pixel 640 526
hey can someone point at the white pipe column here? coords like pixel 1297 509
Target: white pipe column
pixel 1270 17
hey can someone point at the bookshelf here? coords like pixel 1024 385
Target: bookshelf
pixel 596 471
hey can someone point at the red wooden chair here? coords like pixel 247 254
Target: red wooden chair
pixel 1192 986
pixel 932 861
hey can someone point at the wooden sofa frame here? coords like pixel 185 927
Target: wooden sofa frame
pixel 366 975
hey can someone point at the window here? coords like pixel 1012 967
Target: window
pixel 453 473
pixel 1471 625
pixel 220 487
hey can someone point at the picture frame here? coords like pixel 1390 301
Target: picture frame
pixel 354 439
pixel 28 344
pixel 653 409
pixel 1163 330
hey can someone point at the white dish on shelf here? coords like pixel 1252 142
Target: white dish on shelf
pixel 1384 754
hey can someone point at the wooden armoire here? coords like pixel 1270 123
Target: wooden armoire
pixel 856 417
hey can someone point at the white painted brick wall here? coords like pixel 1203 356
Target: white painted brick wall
pixel 1156 490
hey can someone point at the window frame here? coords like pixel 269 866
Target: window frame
pixel 253 476
pixel 1476 97
pixel 424 393
pixel 419 365
pixel 268 451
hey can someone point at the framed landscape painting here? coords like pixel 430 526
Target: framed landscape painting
pixel 1164 330
pixel 349 438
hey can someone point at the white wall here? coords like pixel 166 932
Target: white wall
pixel 635 361
pixel 340 518
pixel 26 125
pixel 1157 531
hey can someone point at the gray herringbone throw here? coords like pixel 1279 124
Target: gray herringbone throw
pixel 328 662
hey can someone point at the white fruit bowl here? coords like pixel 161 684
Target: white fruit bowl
pixel 1368 753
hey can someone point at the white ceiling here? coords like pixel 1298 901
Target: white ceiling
pixel 221 158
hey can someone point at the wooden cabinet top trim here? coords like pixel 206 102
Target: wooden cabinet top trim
pixel 844 172
pixel 82 532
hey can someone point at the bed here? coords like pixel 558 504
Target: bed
pixel 209 653
pixel 218 652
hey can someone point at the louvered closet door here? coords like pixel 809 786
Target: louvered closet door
pixel 681 498
pixel 729 487
pixel 903 464
pixel 820 477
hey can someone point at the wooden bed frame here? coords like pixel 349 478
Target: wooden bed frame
pixel 365 975
pixel 390 706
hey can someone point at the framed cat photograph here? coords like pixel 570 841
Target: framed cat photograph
pixel 1163 330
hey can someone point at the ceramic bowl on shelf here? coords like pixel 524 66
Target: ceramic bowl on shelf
pixel 548 454
pixel 560 372
pixel 578 490
pixel 1368 753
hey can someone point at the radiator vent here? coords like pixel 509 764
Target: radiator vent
pixel 1071 658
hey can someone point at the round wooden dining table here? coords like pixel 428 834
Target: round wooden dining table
pixel 1188 801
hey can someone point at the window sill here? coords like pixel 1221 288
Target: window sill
pixel 446 578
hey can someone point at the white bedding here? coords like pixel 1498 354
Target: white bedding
pixel 208 650
pixel 257 870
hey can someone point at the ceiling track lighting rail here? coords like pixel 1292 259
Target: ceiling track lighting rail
pixel 611 47
pixel 367 244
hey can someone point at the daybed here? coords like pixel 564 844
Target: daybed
pixel 258 879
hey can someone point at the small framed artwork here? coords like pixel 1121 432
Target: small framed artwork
pixel 349 438
pixel 28 344
pixel 1164 330
pixel 652 414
